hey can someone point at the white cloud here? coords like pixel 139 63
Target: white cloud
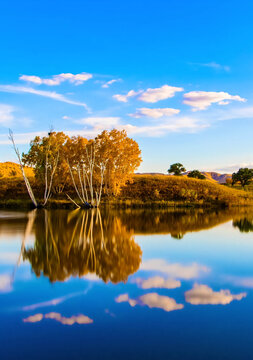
pixel 204 295
pixel 33 318
pixel 150 95
pixel 162 93
pixel 5 283
pixel 236 113
pixel 8 119
pixel 170 125
pixel 182 124
pixel 25 138
pixel 213 65
pixel 76 79
pixel 75 319
pixel 125 298
pixel 100 122
pixel 246 282
pixel 201 100
pixel 175 270
pixel 154 113
pixel 124 98
pixel 158 282
pixel 108 83
pixel 48 94
pixel 152 300
pixel 22 138
pixel 6 114
pixel 217 66
pixel 91 277
pixel 53 302
pixel 8 257
pixel 233 167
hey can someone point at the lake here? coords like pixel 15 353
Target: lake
pixel 127 284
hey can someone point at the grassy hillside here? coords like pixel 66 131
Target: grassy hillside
pixel 145 190
pixel 10 170
pixel 209 175
pixel 181 188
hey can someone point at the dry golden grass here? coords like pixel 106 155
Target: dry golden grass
pixel 10 170
pixel 181 188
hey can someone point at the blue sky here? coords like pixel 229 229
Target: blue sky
pixel 177 75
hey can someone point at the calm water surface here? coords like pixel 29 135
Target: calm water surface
pixel 126 285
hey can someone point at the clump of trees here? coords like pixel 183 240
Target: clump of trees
pixel 243 176
pixel 176 169
pixel 93 167
pixel 196 174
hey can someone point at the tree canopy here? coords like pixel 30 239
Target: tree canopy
pixel 176 169
pixel 114 151
pixel 243 175
pixel 196 174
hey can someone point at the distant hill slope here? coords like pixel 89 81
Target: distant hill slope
pixel 209 175
pixel 11 169
pixel 216 177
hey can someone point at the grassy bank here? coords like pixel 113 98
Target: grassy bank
pixel 182 190
pixel 144 191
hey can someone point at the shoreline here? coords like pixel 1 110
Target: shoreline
pixel 26 204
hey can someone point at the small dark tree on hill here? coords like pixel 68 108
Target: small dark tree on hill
pixel 243 175
pixel 176 169
pixel 196 174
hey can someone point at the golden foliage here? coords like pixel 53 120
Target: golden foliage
pixel 114 148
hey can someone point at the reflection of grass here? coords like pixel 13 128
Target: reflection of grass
pixel 178 222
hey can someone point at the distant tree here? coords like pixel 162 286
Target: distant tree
pixel 176 169
pixel 196 174
pixel 243 175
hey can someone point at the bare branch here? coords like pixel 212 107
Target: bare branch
pixel 27 183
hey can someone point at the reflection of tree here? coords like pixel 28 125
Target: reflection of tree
pixel 178 236
pixel 80 242
pixel 244 225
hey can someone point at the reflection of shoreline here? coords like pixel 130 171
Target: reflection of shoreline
pixel 178 222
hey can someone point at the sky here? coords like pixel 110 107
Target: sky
pixel 176 74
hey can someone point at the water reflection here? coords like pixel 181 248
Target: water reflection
pixel 180 290
pixel 81 242
pixel 244 225
pixel 204 295
pixel 178 222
